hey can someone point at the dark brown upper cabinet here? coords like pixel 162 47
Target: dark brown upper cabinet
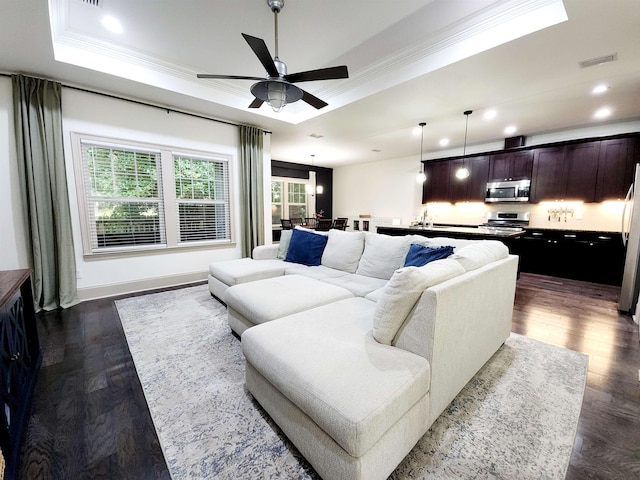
pixel 580 171
pixel 616 165
pixel 511 165
pixel 472 188
pixel 436 186
pixel 547 181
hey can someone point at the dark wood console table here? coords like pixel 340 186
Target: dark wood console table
pixel 19 362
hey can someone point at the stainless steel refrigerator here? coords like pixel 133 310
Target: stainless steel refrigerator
pixel 631 239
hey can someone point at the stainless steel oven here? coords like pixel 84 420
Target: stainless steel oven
pixel 508 191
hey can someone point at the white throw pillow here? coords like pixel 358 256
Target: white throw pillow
pixel 343 250
pixel 480 254
pixel 383 255
pixel 400 294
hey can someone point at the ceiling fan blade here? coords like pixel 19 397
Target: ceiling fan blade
pixel 262 52
pixel 330 73
pixel 257 103
pixel 231 77
pixel 313 100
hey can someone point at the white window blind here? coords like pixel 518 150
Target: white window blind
pixel 202 195
pixel 123 189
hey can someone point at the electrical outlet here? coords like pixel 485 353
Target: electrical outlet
pixel 78 273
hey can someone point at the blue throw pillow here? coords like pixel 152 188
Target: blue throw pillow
pixel 306 247
pixel 419 255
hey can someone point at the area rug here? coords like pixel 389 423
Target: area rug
pixel 517 418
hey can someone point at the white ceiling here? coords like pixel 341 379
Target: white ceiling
pixel 409 61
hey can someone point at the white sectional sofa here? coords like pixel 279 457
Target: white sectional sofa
pixel 356 357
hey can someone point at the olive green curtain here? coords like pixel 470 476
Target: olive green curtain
pixel 38 127
pixel 251 188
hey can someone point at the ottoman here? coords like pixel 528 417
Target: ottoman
pixel 223 275
pixel 250 304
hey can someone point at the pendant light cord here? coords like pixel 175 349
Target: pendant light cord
pixel 466 128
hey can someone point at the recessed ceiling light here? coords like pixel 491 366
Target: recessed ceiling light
pixel 376 150
pixel 510 129
pixel 600 89
pixel 112 24
pixel 315 135
pixel 489 114
pixel 444 142
pixel 602 112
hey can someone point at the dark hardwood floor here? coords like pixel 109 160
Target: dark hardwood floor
pixel 90 420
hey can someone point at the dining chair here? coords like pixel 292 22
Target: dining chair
pixel 340 223
pixel 286 224
pixel 296 221
pixel 324 224
pixel 311 222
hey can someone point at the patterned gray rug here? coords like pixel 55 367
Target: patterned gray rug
pixel 517 418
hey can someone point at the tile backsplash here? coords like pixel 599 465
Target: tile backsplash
pixel 604 217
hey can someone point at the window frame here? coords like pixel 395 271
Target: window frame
pixel 285 195
pixel 166 190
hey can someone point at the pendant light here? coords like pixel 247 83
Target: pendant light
pixel 463 171
pixel 308 187
pixel 421 177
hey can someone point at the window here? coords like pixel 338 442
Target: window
pixel 202 194
pixel 289 199
pixel 136 197
pixel 123 197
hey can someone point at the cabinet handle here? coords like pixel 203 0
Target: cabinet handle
pixel 15 356
pixel 537 234
pixel 603 238
pixel 569 236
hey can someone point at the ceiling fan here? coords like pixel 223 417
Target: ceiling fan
pixel 278 88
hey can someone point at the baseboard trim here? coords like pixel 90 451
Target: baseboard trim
pixel 112 289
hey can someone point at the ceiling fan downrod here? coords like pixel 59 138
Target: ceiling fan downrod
pixel 276 7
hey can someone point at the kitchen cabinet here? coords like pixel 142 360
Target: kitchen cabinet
pixel 472 188
pixel 511 165
pixel 580 171
pixel 580 255
pixel 436 186
pixel 547 182
pixel 615 169
pixel 591 170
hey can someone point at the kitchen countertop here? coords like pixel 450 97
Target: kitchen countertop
pixel 479 231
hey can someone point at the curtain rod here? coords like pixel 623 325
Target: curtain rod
pixel 146 104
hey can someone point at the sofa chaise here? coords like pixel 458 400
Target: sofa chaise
pixel 354 355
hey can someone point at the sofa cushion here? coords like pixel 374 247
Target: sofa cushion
pixel 327 363
pixel 285 239
pixel 402 292
pixel 480 253
pixel 305 247
pixel 319 272
pixel 343 250
pixel 420 255
pixel 242 270
pixel 359 285
pixel 267 300
pixel 382 255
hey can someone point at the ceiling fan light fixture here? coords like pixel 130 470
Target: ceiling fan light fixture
pixel 276 93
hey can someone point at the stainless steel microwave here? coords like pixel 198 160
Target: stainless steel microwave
pixel 508 191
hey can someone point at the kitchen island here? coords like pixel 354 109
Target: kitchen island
pixel 454 231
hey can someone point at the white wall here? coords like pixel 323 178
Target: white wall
pixel 389 189
pixel 13 238
pixel 98 115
